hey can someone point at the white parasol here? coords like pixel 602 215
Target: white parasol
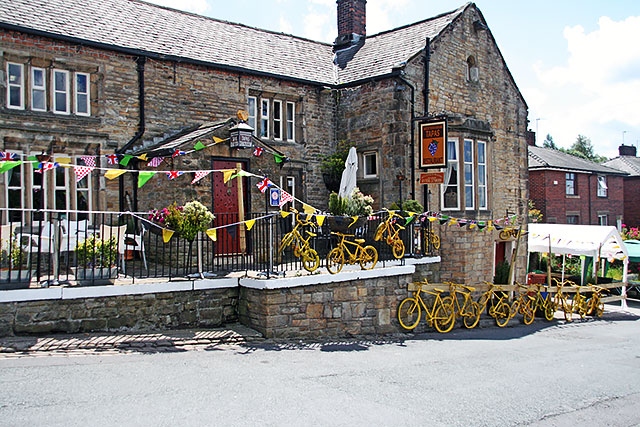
pixel 349 174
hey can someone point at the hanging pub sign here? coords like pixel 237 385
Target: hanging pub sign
pixel 433 137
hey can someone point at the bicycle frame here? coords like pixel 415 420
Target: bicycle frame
pixel 341 254
pixel 469 309
pixel 441 315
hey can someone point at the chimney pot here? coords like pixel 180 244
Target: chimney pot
pixel 627 150
pixel 352 21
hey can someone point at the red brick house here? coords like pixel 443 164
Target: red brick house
pixel 124 77
pixel 570 190
pixel 628 162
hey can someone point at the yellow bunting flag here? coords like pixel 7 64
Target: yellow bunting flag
pixel 320 219
pixel 227 174
pixel 212 233
pixel 114 173
pixel 63 160
pixel 284 214
pixel 432 218
pixel 308 209
pixel 218 140
pixel 167 235
pixel 143 157
pixel 249 223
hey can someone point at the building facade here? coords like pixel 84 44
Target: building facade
pixel 123 79
pixel 628 162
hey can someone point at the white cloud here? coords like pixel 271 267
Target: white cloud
pixel 595 93
pixel 284 25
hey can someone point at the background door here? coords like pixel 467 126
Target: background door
pixel 229 208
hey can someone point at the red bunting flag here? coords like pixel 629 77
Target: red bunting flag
pixel 112 159
pixel 89 160
pixel 82 171
pixel 174 174
pixel 264 184
pixel 199 176
pixel 285 197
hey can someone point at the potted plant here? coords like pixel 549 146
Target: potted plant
pixel 96 261
pixel 332 166
pixel 349 212
pixel 15 271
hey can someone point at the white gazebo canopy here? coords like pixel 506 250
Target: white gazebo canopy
pixel 596 241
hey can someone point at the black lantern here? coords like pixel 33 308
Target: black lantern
pixel 241 135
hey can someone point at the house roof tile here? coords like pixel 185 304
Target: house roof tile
pixel 140 27
pixel 548 158
pixel 629 164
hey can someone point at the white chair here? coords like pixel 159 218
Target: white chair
pixel 108 232
pixel 71 232
pixel 43 241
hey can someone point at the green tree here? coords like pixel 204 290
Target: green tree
pixel 548 142
pixel 582 148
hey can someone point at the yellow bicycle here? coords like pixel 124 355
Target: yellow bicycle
pixel 433 238
pixel 440 315
pixel 392 229
pixel 367 256
pixel 524 303
pixel 498 301
pixel 301 247
pixel 468 309
pixel 595 306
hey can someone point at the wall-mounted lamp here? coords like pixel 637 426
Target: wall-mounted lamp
pixel 241 135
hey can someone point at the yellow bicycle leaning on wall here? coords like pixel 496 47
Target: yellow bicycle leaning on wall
pixel 301 247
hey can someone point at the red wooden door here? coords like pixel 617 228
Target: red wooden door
pixel 229 208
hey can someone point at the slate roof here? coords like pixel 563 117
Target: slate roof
pixel 137 27
pixel 629 164
pixel 548 158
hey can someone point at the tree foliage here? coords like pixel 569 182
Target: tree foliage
pixel 548 142
pixel 582 148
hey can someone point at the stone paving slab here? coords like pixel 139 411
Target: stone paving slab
pixel 151 342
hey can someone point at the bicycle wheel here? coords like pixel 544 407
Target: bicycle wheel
pixel 435 241
pixel 568 310
pixel 528 312
pixel 409 313
pixel 380 231
pixel 335 260
pixel 504 235
pixel 549 311
pixel 368 257
pixel 398 248
pixel 598 307
pixel 444 317
pixel 502 313
pixel 472 316
pixel 310 260
pixel 287 239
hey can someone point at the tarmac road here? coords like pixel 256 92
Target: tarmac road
pixel 546 374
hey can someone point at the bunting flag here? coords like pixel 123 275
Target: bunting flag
pixel 285 197
pixel 155 162
pixel 167 235
pixel 47 166
pixel 217 140
pixel 143 157
pixel 9 164
pixel 177 153
pixel 264 184
pixel 199 146
pixel 278 158
pixel 199 175
pixel 258 151
pixel 249 223
pixel 6 156
pixel 227 174
pixel 240 172
pixel 112 159
pixel 34 161
pixel 284 214
pixel 126 159
pixel 174 174
pixel 89 160
pixel 310 210
pixel 320 219
pixel 63 160
pixel 212 233
pixel 143 177
pixel 114 173
pixel 82 171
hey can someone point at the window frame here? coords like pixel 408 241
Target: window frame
pixel 603 219
pixel 576 217
pixel 264 118
pixel 290 117
pixel 468 172
pixel 38 88
pixel 55 91
pixel 366 169
pixel 77 94
pixel 252 110
pixel 482 167
pixel 276 113
pixel 602 186
pixel 453 163
pixel 570 177
pixel 12 85
pixel 18 188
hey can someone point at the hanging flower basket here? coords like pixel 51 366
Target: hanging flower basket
pixel 345 224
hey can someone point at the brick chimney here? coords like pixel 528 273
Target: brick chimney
pixel 352 22
pixel 627 150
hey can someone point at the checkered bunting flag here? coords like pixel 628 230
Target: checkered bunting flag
pixel 199 176
pixel 82 171
pixel 89 160
pixel 285 197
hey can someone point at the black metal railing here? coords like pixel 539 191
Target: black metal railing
pixel 46 248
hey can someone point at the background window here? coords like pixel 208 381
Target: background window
pixel 277 119
pixel 252 110
pixel 291 121
pixel 602 186
pixel 603 219
pixel 482 175
pixel 264 118
pixel 14 179
pixel 60 91
pixel 450 199
pixel 370 160
pixel 468 174
pixel 15 86
pixel 570 184
pixel 38 89
pixel 83 101
pixel 573 219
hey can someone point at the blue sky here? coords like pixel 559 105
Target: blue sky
pixel 577 63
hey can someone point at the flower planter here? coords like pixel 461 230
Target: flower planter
pixel 95 276
pixel 345 224
pixel 15 279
